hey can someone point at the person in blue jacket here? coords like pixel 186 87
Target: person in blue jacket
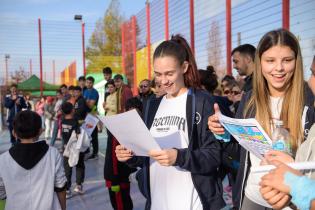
pixel 184 174
pixel 14 103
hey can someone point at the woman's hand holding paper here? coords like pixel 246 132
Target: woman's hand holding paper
pixel 123 154
pixel 166 157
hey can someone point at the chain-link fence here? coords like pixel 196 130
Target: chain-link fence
pixel 249 19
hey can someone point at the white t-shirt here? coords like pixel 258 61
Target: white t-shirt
pixel 252 187
pixel 172 187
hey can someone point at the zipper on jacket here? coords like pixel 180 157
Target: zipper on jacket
pixel 244 177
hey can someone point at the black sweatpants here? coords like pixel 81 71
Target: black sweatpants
pixel 94 141
pixel 121 200
pixel 80 171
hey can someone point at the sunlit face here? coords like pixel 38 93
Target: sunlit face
pixel 278 65
pixel 170 75
pixel 71 92
pixel 240 63
pixel 13 90
pixel 107 76
pixel 82 83
pixel 227 92
pixel 118 83
pixel 236 93
pixel 236 90
pixel 89 84
pixel 111 88
pixel 63 90
pixel 59 96
pixel 76 93
pixel 144 87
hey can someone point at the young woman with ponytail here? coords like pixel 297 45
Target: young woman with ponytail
pixel 183 175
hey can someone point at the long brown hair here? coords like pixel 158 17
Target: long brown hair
pixel 293 101
pixel 178 48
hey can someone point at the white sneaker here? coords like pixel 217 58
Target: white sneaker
pixel 68 194
pixel 78 189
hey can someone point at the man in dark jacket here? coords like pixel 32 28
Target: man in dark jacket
pixel 80 108
pixel 15 103
pixel 243 61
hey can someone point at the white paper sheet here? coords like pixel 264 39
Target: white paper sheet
pixel 89 124
pixel 248 133
pixel 130 131
pixel 173 140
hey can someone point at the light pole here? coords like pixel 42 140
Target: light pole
pixel 6 57
pixel 79 18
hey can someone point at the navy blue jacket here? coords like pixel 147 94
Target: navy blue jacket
pixel 9 103
pixel 202 157
pixel 243 171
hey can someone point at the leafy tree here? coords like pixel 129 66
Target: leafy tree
pixel 105 40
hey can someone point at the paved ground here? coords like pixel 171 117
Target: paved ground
pixel 96 196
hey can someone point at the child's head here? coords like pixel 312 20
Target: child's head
pixel 27 125
pixel 134 103
pixel 67 108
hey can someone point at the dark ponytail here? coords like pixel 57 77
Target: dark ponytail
pixel 178 48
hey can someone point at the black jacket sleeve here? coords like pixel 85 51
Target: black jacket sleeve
pixel 204 155
pixel 136 161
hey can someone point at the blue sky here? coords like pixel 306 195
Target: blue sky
pixel 61 34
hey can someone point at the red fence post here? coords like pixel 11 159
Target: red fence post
pixel 192 26
pixel 83 48
pixel 40 57
pixel 54 72
pixel 134 49
pixel 31 70
pixel 166 20
pixel 228 38
pixel 148 39
pixel 6 57
pixel 123 49
pixel 286 14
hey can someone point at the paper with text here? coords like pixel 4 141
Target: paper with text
pixel 130 131
pixel 89 124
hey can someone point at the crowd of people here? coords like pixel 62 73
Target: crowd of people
pixel 187 173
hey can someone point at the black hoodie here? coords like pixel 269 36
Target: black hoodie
pixel 28 155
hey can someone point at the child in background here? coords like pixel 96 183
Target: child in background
pixel 32 172
pixel 69 124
